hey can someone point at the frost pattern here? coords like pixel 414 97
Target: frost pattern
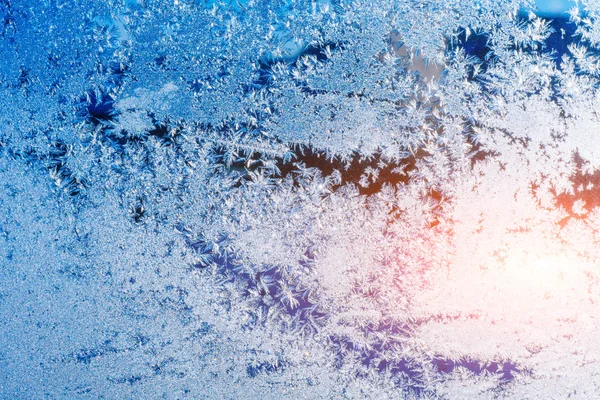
pixel 299 199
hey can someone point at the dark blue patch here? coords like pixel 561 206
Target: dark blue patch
pixel 563 35
pixel 475 45
pixel 98 107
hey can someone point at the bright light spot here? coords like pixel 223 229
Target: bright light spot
pixel 549 264
pixel 559 273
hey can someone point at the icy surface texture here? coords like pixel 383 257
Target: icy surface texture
pixel 299 199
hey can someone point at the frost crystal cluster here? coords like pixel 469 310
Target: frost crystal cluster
pixel 299 199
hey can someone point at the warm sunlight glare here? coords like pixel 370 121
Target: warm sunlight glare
pixel 552 265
